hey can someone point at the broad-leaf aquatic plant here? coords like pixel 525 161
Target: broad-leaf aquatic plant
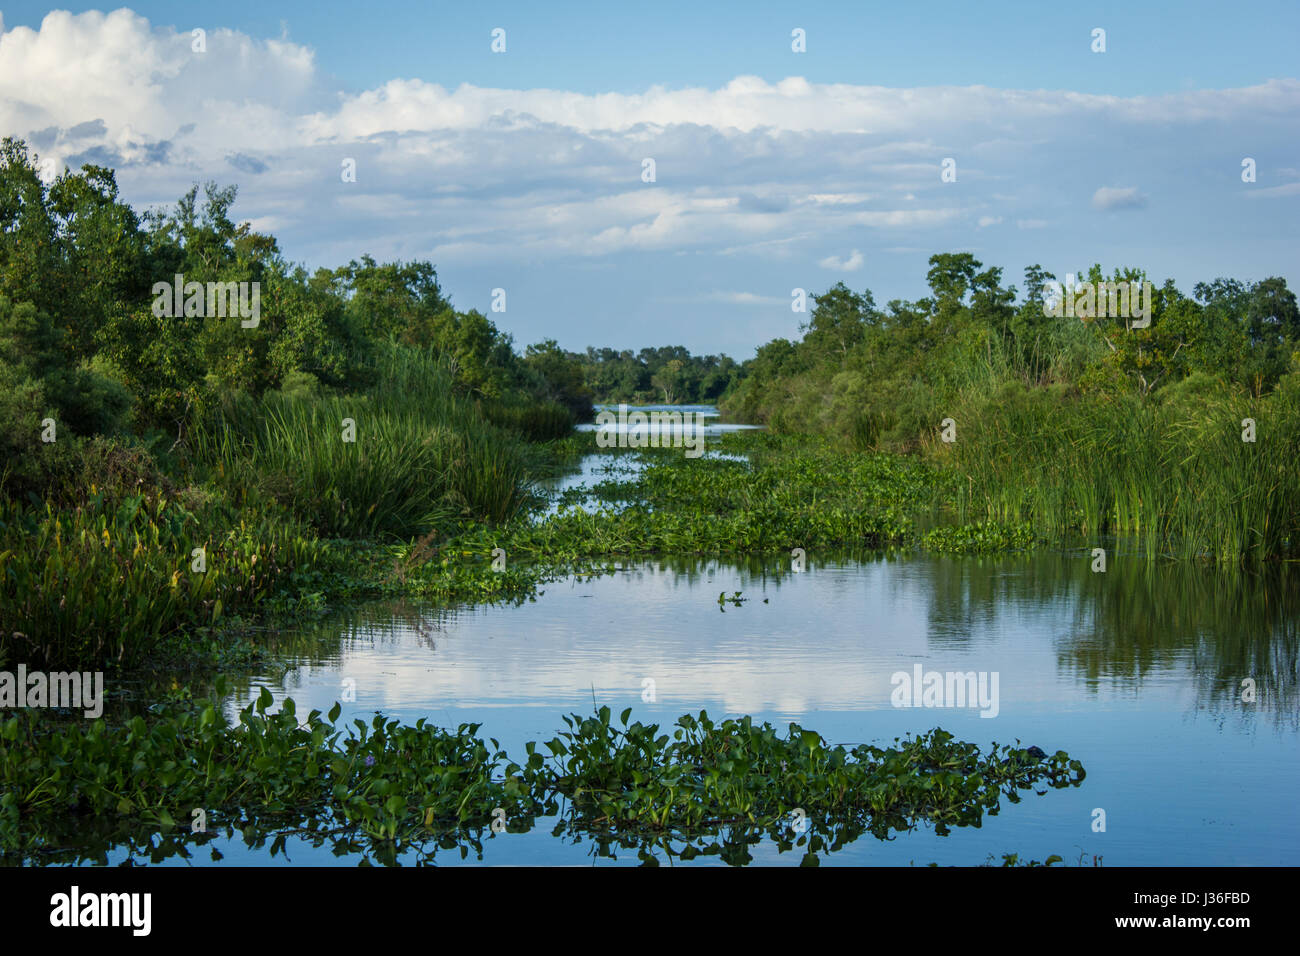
pixel 383 789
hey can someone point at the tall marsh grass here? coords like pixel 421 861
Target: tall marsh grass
pixel 1173 471
pixel 539 421
pixel 422 457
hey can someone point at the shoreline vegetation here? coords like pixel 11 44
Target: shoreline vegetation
pixel 173 486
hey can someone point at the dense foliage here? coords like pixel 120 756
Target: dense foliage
pixel 670 375
pixel 1185 431
pixel 164 469
pixel 887 377
pixel 82 343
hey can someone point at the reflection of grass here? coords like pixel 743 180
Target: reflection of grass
pixel 381 786
pixel 1226 626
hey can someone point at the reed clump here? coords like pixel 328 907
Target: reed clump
pixel 1179 473
pixel 403 457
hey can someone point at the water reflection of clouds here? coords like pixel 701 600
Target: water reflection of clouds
pixel 1135 675
pixel 826 641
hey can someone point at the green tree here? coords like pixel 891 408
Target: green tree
pixel 839 321
pixel 561 376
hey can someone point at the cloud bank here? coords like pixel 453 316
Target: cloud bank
pixel 481 179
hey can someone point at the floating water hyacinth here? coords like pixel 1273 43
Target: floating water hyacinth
pixel 270 775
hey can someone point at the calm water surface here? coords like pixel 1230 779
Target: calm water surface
pixel 1137 672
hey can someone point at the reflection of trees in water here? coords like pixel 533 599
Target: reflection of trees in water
pixel 321 644
pixel 1121 625
pixel 1227 626
pixel 1138 617
pixel 768 572
pixel 381 622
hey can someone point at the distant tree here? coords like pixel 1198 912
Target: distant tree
pixel 669 380
pixel 561 374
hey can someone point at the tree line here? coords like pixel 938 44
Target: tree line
pixel 886 376
pixel 80 343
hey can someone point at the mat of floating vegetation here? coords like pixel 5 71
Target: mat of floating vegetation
pixel 384 790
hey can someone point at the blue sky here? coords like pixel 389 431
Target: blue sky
pixel 599 47
pixel 774 169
